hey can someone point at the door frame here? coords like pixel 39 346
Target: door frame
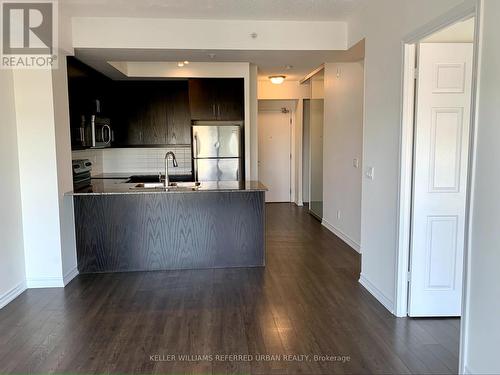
pixel 291 112
pixel 408 47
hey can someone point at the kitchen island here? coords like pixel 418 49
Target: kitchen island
pixel 121 227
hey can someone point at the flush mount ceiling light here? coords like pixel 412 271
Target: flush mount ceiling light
pixel 277 80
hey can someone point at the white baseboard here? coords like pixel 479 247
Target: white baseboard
pixel 468 371
pixel 45 282
pixel 12 294
pixel 377 293
pixel 344 237
pixel 70 275
pixel 38 282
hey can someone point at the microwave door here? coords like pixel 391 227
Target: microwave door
pixel 216 141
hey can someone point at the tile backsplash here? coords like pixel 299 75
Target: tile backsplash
pixel 136 160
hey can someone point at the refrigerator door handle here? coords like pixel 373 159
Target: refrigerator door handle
pixel 195 170
pixel 195 145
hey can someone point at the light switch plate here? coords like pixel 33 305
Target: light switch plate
pixel 370 173
pixel 355 163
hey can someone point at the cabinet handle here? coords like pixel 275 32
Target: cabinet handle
pixel 218 110
pixel 213 110
pixel 108 129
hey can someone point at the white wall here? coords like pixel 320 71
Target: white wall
pixel 290 90
pixel 381 134
pixel 112 32
pixel 306 150
pixel 64 170
pixel 254 136
pixel 482 331
pixel 41 104
pixel 287 90
pixel 38 172
pixel 342 143
pixel 12 273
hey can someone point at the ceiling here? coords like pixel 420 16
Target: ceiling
pixel 460 32
pixel 268 62
pixel 305 10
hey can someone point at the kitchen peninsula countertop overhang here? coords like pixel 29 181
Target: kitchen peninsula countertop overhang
pixel 116 185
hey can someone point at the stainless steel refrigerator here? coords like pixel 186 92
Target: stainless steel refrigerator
pixel 217 151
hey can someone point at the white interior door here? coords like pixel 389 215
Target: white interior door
pixel 440 178
pixel 274 155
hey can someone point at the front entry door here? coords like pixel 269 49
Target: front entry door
pixel 440 178
pixel 275 155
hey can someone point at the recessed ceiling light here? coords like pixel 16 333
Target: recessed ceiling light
pixel 277 80
pixel 180 64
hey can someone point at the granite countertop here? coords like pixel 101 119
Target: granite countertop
pixel 118 186
pixel 124 175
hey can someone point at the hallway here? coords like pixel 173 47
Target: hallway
pixel 307 301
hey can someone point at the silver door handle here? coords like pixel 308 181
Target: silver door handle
pixel 109 134
pixel 195 141
pixel 92 124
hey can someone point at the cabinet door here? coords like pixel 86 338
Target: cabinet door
pixel 230 99
pixel 153 121
pixel 179 119
pixel 202 99
pixel 142 117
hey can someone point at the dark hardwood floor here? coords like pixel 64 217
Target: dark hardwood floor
pixel 306 301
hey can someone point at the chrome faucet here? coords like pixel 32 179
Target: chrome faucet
pixel 174 163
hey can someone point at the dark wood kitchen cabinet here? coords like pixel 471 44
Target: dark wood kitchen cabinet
pixel 151 113
pixel 216 99
pixel 178 116
pixel 89 93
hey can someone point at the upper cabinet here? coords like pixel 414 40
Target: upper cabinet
pixel 178 116
pixel 149 113
pixel 216 99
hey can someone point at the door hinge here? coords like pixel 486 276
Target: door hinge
pixel 408 276
pixel 415 73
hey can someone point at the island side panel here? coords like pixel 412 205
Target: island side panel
pixel 138 232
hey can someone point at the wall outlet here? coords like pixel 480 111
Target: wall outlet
pixel 338 214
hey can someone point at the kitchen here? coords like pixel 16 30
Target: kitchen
pixel 159 174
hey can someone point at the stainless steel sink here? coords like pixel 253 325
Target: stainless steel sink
pixel 174 186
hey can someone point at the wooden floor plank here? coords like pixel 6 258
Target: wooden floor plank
pixel 306 301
